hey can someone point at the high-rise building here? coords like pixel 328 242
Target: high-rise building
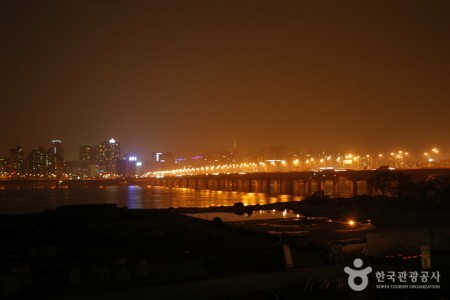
pixel 101 158
pixel 4 165
pixel 127 167
pixel 55 158
pixel 88 153
pixel 37 162
pixel 17 162
pixel 108 155
pixel 89 160
pixel 58 149
pixel 157 161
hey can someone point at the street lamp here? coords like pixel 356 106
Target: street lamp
pixel 369 162
pixel 356 158
pixel 295 162
pixel 308 163
pixel 430 158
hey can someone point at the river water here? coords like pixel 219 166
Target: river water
pixel 23 200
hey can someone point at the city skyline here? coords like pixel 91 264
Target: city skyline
pixel 106 159
pixel 193 76
pixel 416 154
pixel 146 154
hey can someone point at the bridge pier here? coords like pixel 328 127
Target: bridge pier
pixel 289 187
pixel 247 187
pixel 308 187
pixel 354 187
pixel 320 185
pixel 304 183
pixel 204 184
pixel 335 188
pixel 266 187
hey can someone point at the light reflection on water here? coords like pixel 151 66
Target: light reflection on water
pixel 256 215
pixel 134 197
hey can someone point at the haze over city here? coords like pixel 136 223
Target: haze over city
pixel 190 77
pixel 225 149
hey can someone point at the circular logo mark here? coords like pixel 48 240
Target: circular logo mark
pixel 353 274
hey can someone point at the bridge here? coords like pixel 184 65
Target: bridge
pixel 289 183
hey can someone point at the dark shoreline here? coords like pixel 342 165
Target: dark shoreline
pixel 96 241
pixel 382 211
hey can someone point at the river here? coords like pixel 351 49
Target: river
pixel 29 200
pixel 26 200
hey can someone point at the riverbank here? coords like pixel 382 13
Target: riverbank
pixel 101 250
pixel 82 249
pixel 383 212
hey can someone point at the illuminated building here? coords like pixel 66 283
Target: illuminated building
pixel 37 162
pixel 58 149
pixel 55 158
pixel 88 153
pixel 17 162
pixel 4 165
pixel 127 167
pixel 163 161
pixel 46 163
pixel 89 160
pixel 157 156
pixel 108 155
pixel 101 158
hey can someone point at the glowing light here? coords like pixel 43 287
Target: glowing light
pixel 351 222
pixel 112 141
pixel 138 164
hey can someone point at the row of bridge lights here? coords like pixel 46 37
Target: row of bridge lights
pixel 237 168
pixel 209 169
pixel 401 155
pixel 429 154
pixel 310 162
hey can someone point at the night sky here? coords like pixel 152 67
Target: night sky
pixel 189 76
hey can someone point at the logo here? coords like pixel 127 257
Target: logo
pixel 353 274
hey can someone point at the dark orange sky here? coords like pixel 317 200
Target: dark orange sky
pixel 188 76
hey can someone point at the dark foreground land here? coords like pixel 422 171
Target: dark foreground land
pixel 104 252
